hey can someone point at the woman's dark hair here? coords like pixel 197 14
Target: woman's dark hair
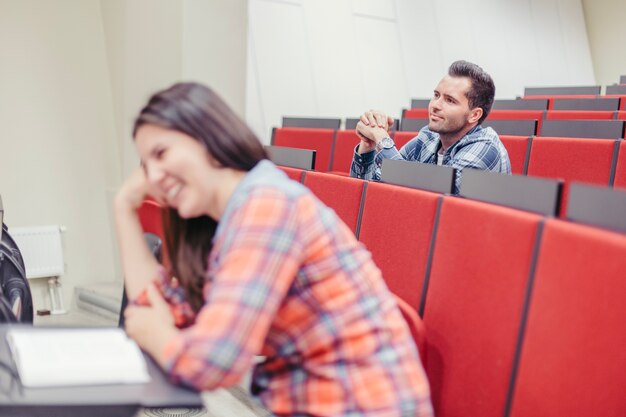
pixel 199 112
pixel 483 89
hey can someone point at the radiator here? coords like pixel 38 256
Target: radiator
pixel 41 249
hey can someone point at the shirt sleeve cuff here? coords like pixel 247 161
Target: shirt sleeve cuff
pixel 174 294
pixel 387 153
pixel 161 281
pixel 364 158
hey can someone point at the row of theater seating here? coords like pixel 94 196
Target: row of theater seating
pixel 559 123
pixel 570 91
pixel 594 161
pixel 551 102
pixel 561 98
pixel 523 313
pixel 519 121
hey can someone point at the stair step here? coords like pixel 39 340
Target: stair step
pixel 102 298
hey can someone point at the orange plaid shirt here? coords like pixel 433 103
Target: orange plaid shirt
pixel 289 281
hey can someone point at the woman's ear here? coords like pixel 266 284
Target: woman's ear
pixel 212 161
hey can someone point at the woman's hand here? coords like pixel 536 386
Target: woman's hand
pixel 152 326
pixel 133 191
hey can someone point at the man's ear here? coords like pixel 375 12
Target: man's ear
pixel 475 115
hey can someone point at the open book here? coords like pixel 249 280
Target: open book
pixel 63 357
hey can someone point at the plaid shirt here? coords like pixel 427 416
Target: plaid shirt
pixel 480 148
pixel 289 281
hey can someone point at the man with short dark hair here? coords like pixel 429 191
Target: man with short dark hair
pixel 453 137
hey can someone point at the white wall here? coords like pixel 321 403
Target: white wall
pixel 606 24
pixel 57 148
pixel 144 50
pixel 337 58
pixel 73 76
pixel 214 39
pixel 152 44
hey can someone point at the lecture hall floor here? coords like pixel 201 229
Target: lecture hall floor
pixel 234 402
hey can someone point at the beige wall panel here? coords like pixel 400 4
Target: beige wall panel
pixel 606 27
pixel 57 131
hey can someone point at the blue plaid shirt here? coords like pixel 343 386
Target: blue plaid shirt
pixel 480 148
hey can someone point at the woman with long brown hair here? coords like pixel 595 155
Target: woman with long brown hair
pixel 259 266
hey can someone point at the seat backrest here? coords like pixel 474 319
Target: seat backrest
pixel 537 115
pixel 616 89
pixel 572 159
pixel 513 127
pixel 292 157
pixel 520 104
pixel 319 140
pixel 573 90
pixel 598 103
pixel 351 123
pixel 597 206
pixel 420 103
pixel 151 218
pixel 429 177
pixel 475 296
pixel 342 194
pixel 552 97
pixel 415 114
pixel 621 115
pixel 397 227
pixel 294 173
pixel 518 148
pixel 622 99
pixel 580 115
pixel 538 195
pixel 345 143
pixel 601 129
pixel 413 124
pixel 312 122
pixel 416 326
pixel 572 360
pixel 620 169
pixel 497 114
pixel 402 138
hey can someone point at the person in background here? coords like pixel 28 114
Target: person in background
pixel 453 137
pixel 259 266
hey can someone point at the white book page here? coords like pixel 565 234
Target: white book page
pixel 65 357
